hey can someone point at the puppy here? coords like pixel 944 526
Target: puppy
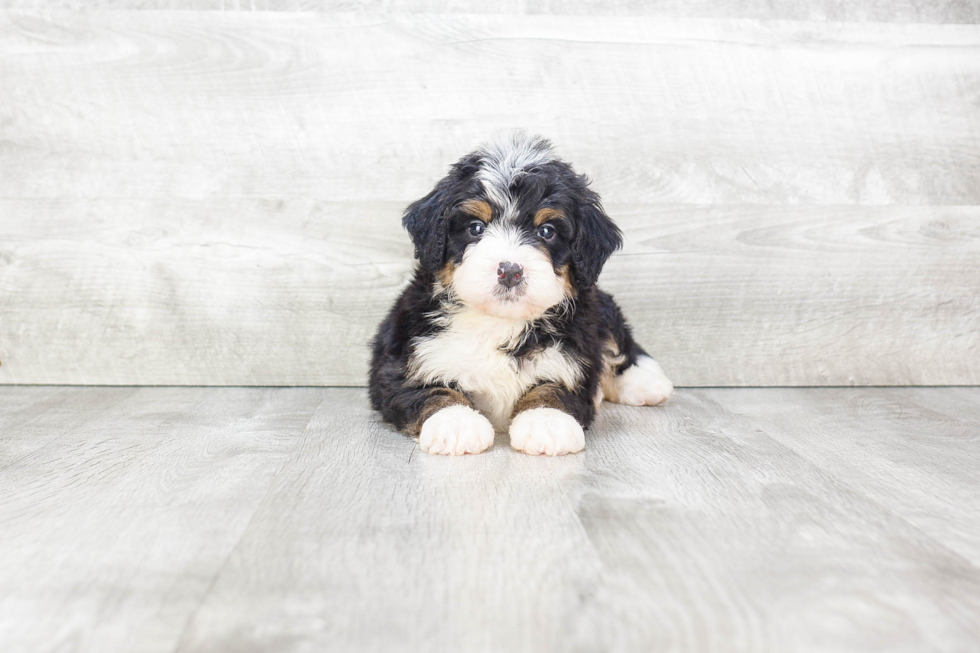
pixel 502 327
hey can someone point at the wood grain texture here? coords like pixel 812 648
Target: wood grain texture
pixel 914 11
pixel 288 293
pixel 129 487
pixel 206 519
pixel 804 295
pixel 183 292
pixel 908 472
pixel 698 506
pixel 212 197
pixel 374 107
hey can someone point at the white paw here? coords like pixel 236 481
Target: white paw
pixel 454 431
pixel 644 384
pixel 546 430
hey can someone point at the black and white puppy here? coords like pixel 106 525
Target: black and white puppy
pixel 503 328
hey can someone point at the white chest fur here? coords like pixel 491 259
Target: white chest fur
pixel 470 352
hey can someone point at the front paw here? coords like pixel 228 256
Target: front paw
pixel 643 384
pixel 454 431
pixel 546 431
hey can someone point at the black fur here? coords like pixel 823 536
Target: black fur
pixel 426 220
pixel 439 231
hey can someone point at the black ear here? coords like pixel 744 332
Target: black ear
pixel 425 221
pixel 596 238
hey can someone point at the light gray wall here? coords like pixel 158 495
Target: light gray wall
pixel 213 197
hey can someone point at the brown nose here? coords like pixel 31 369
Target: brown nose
pixel 509 274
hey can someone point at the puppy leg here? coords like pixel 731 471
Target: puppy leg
pixel 548 420
pixel 641 384
pixel 630 375
pixel 454 431
pixel 443 419
pixel 448 424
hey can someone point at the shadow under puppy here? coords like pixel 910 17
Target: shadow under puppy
pixel 502 327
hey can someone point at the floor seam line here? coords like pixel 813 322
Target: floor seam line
pixel 181 640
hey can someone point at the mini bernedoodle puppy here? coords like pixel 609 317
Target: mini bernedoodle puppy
pixel 503 328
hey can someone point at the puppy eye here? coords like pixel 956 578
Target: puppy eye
pixel 476 228
pixel 546 231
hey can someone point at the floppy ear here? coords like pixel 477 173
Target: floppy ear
pixel 425 221
pixel 596 238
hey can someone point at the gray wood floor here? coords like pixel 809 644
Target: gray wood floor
pixel 234 519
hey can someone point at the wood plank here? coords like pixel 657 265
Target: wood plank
pixel 924 471
pixel 369 545
pixel 116 123
pixel 212 293
pixel 373 107
pixel 760 296
pixel 682 529
pixel 941 11
pixel 715 536
pixel 113 531
pixel 226 519
pixel 256 292
pixel 48 415
pixel 22 404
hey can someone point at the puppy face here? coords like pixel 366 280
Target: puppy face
pixel 512 231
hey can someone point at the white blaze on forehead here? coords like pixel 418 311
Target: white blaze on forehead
pixel 504 159
pixel 504 240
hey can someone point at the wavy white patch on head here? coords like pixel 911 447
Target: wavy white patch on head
pixel 504 159
pixel 475 281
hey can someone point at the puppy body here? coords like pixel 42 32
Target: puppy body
pixel 476 352
pixel 503 317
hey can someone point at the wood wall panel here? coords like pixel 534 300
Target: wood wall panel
pixel 288 293
pixel 912 11
pixel 369 107
pixel 208 197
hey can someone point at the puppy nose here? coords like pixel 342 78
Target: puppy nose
pixel 509 274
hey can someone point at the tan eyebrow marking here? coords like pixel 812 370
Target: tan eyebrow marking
pixel 478 209
pixel 543 215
